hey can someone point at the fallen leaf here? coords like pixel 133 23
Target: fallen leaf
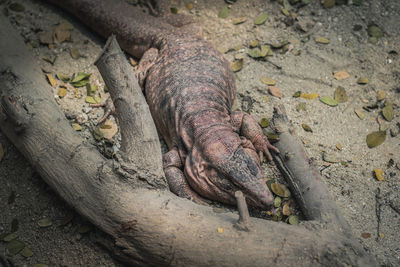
pixel 220 230
pixel 322 40
pixel 45 222
pixel 254 53
pixel 62 35
pixel 275 91
pixel 46 37
pixel 62 77
pixel 294 219
pixel 359 113
pixel 254 43
pixel 328 101
pixel 10 237
pixel 189 6
pixel 380 95
pixel 366 235
pixel 90 100
pixel 340 95
pixel 62 92
pixel 328 3
pixel 74 53
pixel 174 10
pixel 277 202
pixel 260 19
pixel 379 174
pixel 65 26
pixel 91 89
pixel 224 13
pixel 330 157
pixel 67 218
pixel 285 12
pixel 309 96
pixel 374 31
pixel 76 126
pixel 26 252
pixel 286 209
pixel 15 246
pixel 239 20
pixel 133 62
pixel 264 122
pixel 297 94
pixel 363 81
pixel 341 75
pixel 267 81
pixel 339 147
pixel 16 7
pixel 301 106
pixel 388 112
pixel 306 127
pixel 376 138
pixel 237 65
pixel 110 130
pixel 280 190
pixel 51 80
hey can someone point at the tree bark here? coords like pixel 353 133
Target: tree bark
pixel 147 224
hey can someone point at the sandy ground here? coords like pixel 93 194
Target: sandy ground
pixel 372 207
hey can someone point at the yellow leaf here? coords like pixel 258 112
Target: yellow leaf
pixel 62 92
pixel 380 95
pixel 379 174
pixel 220 230
pixel 189 6
pixel 267 81
pixel 322 40
pixel 309 96
pixel 237 65
pixel 339 147
pixel 51 80
pixel 76 127
pixel 341 75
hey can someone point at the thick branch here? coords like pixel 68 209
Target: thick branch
pixel 304 179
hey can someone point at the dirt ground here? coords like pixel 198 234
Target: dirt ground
pixel 372 207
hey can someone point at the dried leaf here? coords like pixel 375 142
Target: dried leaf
pixel 328 101
pixel 45 222
pixel 294 219
pixel 301 106
pixel 80 76
pixel 264 122
pixel 277 202
pixel 15 246
pixel 254 43
pixel 110 130
pixel 359 113
pixel 62 77
pixel 340 95
pixel 65 26
pixel 374 31
pixel 220 230
pixel 51 80
pixel 174 10
pixel 67 218
pixel 267 81
pixel 297 94
pixel 285 12
pixel 380 95
pixel 62 35
pixel 62 92
pixel 322 40
pixel 286 209
pixel 254 53
pixel 366 235
pixel 339 146
pixel 363 81
pixel 90 100
pixel 341 75
pixel 224 13
pixel 237 65
pixel 376 138
pixel 16 7
pixel 76 126
pixel 306 127
pixel 280 190
pixel 74 53
pixel 239 20
pixel 260 19
pixel 189 6
pixel 275 91
pixel 133 62
pixel 46 37
pixel 91 89
pixel 330 157
pixel 388 112
pixel 26 252
pixel 265 49
pixel 10 237
pixel 328 3
pixel 309 96
pixel 1 157
pixel 379 174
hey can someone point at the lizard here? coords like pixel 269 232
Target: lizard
pixel 190 88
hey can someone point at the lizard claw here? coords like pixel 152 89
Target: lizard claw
pixel 262 145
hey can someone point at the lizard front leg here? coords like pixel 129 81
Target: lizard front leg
pixel 246 126
pixel 172 165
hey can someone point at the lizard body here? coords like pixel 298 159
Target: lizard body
pixel 190 88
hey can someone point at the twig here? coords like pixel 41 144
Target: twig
pixel 244 218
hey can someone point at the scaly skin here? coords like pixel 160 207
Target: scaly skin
pixel 190 89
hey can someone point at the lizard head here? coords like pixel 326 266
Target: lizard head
pixel 220 168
